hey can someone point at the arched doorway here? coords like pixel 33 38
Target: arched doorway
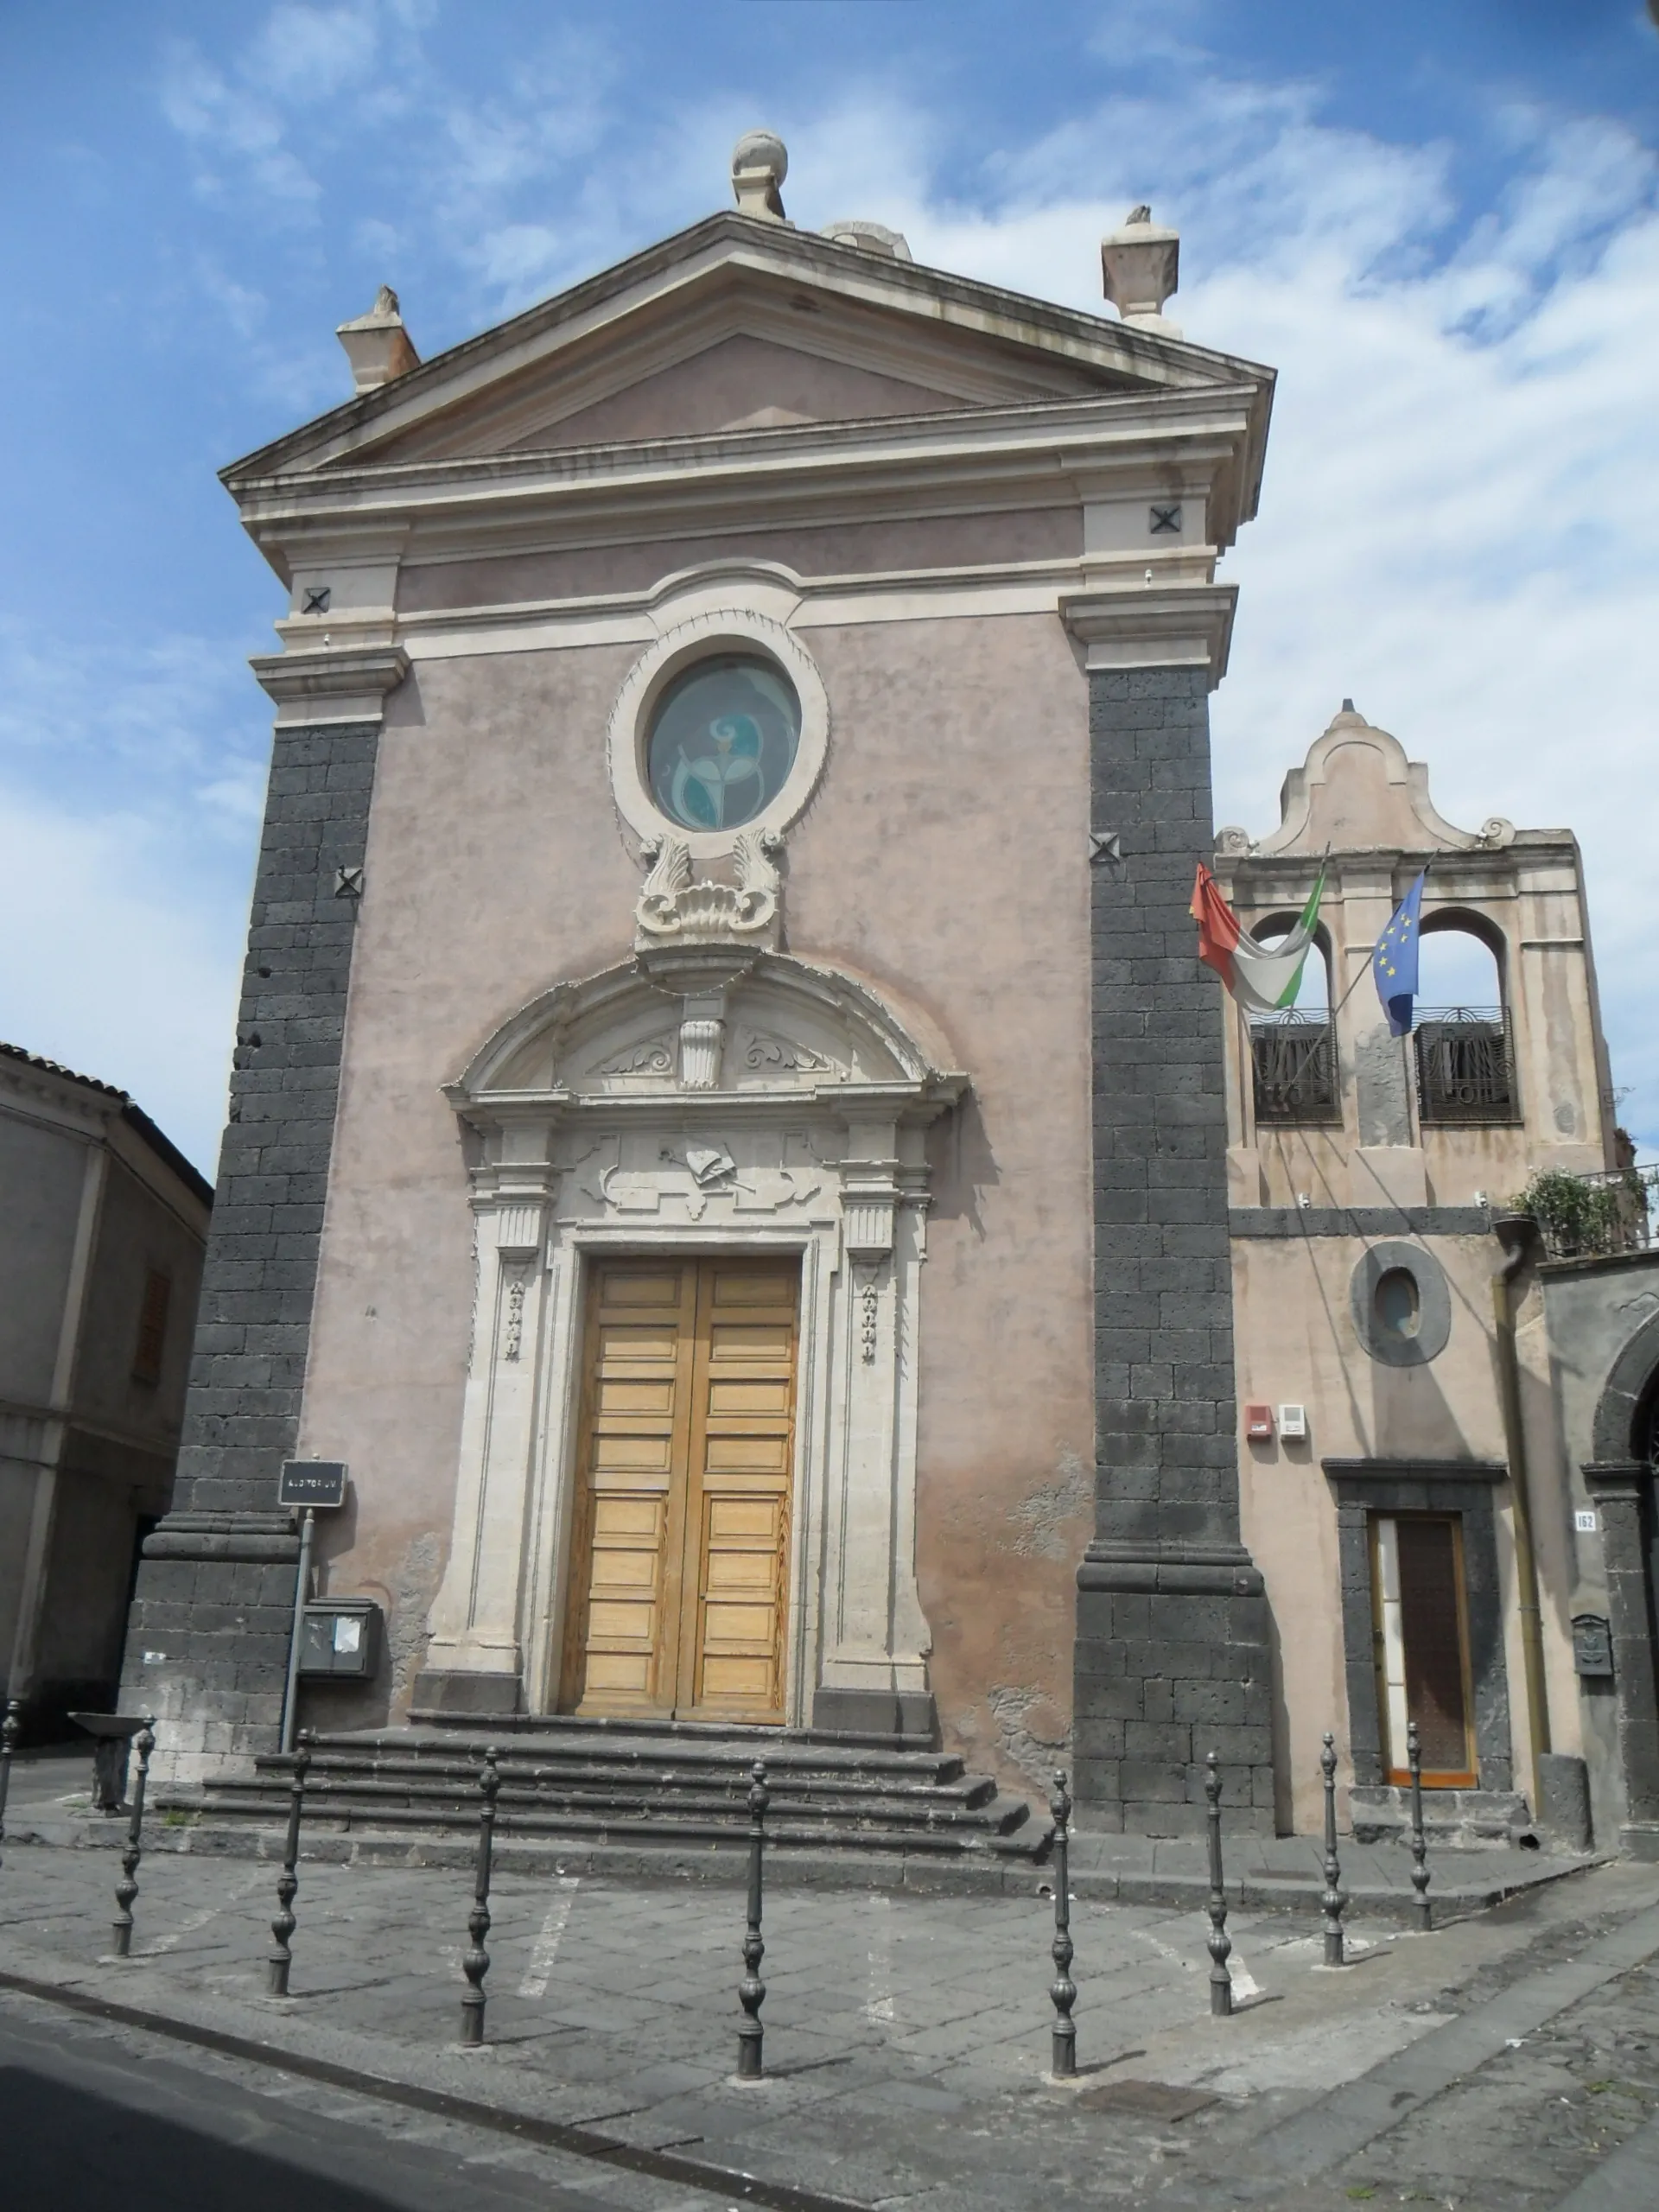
pixel 728 1147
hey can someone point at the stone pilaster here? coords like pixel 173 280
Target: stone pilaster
pixel 1173 1654
pixel 1622 1490
pixel 208 1643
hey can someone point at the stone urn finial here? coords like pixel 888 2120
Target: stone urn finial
pixel 759 164
pixel 376 345
pixel 1140 265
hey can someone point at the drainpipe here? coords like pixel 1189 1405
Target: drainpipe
pixel 1514 1232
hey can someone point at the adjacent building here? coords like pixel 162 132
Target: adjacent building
pixel 103 1224
pixel 1408 1486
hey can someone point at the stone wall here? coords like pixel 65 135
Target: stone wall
pixel 1172 1655
pixel 207 1646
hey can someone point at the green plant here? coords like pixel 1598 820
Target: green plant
pixel 1577 1213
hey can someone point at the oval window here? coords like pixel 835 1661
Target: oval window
pixel 1399 1306
pixel 722 743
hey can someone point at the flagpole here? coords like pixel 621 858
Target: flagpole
pixel 1330 1021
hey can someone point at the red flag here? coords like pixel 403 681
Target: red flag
pixel 1218 930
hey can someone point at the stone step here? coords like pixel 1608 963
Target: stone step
pixel 636 1784
pixel 729 1784
pixel 1013 1835
pixel 548 1741
pixel 845 1741
pixel 451 1800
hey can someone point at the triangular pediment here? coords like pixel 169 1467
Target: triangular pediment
pixel 741 325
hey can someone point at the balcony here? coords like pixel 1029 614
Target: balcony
pixel 1466 1067
pixel 1296 1077
pixel 1590 1216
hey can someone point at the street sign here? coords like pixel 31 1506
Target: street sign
pixel 317 1483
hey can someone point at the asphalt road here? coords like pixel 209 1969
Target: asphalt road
pixel 98 2120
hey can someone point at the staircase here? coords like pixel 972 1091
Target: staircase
pixel 593 1785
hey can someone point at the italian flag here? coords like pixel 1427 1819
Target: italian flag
pixel 1262 981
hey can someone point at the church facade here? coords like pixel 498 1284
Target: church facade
pixel 730 1141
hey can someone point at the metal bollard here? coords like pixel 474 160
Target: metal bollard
pixel 289 1881
pixel 1221 1982
pixel 476 1963
pixel 1418 1840
pixel 127 1888
pixel 1333 1900
pixel 11 1729
pixel 752 1991
pixel 1064 1990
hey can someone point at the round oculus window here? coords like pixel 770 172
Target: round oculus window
pixel 722 741
pixel 1397 1303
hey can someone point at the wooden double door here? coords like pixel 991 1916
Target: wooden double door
pixel 680 1552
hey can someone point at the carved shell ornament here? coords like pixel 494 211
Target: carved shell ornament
pixel 675 905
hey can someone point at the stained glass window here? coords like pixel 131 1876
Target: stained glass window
pixel 722 743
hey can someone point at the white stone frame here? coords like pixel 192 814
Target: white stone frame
pixel 745 613
pixel 813 1143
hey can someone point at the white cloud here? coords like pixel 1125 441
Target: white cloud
pixel 127 977
pixel 230 128
pixel 312 53
pixel 1456 526
pixel 130 799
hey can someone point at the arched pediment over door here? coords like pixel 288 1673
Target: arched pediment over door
pixel 705 1101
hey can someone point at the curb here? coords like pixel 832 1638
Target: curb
pixel 501 2120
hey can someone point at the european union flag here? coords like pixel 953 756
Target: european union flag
pixel 1393 963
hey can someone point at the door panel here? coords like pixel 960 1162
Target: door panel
pixel 1423 1645
pixel 1430 1603
pixel 680 1574
pixel 629 1535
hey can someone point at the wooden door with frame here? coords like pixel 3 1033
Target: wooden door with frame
pixel 680 1548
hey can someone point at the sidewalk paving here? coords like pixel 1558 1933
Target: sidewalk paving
pixel 906 2037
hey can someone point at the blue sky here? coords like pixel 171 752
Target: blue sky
pixel 1439 223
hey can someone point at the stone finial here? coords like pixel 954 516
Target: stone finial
pixel 1139 266
pixel 376 345
pixel 871 237
pixel 759 164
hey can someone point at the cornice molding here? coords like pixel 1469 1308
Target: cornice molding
pixel 1066 453
pixel 1182 626
pixel 347 683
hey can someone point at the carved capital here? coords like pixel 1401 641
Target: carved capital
pixel 343 684
pixel 1174 626
pixel 515 1228
pixel 869 1196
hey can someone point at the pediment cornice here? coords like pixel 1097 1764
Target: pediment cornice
pixel 993 350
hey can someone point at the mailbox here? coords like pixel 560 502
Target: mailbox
pixel 1593 1645
pixel 339 1639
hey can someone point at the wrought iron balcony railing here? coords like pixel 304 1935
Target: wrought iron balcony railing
pixel 1466 1066
pixel 1294 1063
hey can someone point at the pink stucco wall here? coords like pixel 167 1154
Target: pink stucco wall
pixel 942 861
